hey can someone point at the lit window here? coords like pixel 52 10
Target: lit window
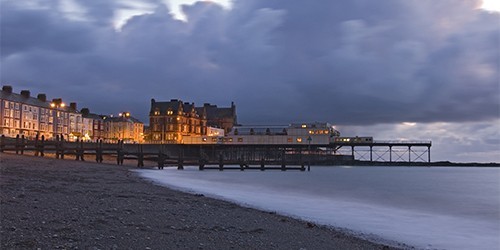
pixel 240 139
pixel 289 140
pixel 299 139
pixel 304 126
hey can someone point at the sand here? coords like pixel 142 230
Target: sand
pixel 48 203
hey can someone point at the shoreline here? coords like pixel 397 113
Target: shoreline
pixel 51 203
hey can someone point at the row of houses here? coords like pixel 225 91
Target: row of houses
pixel 171 121
pixel 23 114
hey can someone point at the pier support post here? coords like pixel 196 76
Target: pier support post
pixel 160 159
pixel 390 153
pixel 262 164
pixel 371 153
pixel 140 156
pixel 429 154
pixel 283 164
pixel 409 153
pixel 180 160
pixel 221 162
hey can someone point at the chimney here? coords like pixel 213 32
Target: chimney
pixel 72 105
pixel 25 93
pixel 42 97
pixel 7 88
pixel 85 111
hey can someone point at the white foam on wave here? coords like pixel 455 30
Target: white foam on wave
pixel 297 194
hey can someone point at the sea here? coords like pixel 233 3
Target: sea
pixel 422 207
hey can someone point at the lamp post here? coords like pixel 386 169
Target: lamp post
pixel 309 139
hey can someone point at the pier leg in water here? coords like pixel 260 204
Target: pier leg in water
pixel 221 162
pixel 160 160
pixel 262 164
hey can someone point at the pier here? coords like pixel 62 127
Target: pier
pixel 227 156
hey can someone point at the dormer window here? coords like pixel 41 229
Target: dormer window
pixel 157 112
pixel 170 112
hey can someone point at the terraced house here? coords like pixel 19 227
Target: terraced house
pixel 22 114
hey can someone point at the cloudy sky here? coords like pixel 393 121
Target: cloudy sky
pixel 392 69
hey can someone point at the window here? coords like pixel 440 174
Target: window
pixel 289 139
pixel 240 139
pixel 299 139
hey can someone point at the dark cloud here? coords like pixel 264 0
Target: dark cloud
pixel 347 62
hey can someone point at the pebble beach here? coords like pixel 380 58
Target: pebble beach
pixel 48 203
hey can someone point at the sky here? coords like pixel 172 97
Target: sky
pixel 391 69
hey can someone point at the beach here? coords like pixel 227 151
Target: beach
pixel 48 203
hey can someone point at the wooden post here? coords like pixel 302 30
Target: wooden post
pixel 120 154
pixel 180 159
pixel 77 151
pixel 283 164
pixel 82 150
pixel 242 164
pixel 201 160
pixel 23 144
pixel 97 151
pixel 18 143
pixel 2 143
pixel 221 162
pixel 160 159
pixel 140 156
pixel 42 146
pixel 262 164
pixel 36 144
pixel 62 146
pixel 57 146
pixel 100 151
pixel 202 164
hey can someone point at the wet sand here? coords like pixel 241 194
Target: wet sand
pixel 65 204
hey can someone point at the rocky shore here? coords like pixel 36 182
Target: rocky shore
pixel 47 203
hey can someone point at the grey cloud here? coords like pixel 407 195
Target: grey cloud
pixel 347 62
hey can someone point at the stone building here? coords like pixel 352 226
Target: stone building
pixel 171 121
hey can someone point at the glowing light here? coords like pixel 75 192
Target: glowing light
pixel 52 104
pixel 409 123
pixel 491 5
pixel 63 105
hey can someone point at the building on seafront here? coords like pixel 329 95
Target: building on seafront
pixel 124 127
pixel 21 114
pixel 176 121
